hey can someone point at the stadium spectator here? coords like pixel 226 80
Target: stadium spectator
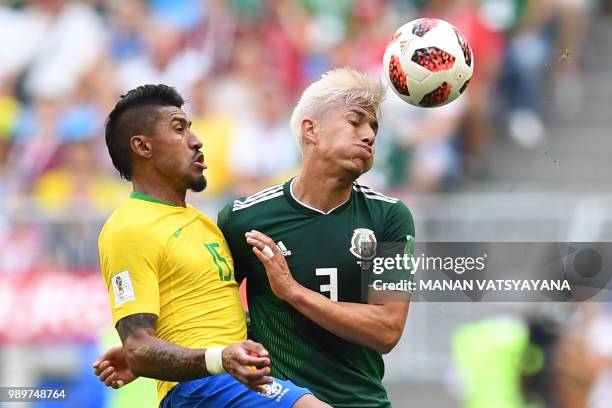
pixel 424 145
pixel 487 46
pixel 217 131
pixel 77 184
pixel 35 147
pixel 127 22
pixel 236 91
pixel 71 36
pixel 9 115
pixel 263 149
pixel 544 41
pixel 167 60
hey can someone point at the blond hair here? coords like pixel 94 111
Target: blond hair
pixel 338 85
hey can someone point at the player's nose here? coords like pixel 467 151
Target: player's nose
pixel 194 142
pixel 368 136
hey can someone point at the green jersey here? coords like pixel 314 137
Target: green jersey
pixel 322 254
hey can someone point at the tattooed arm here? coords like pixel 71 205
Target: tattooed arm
pixel 149 356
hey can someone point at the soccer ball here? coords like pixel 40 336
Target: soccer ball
pixel 428 62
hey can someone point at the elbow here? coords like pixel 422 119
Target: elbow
pixel 389 340
pixel 388 344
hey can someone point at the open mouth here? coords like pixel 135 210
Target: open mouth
pixel 199 161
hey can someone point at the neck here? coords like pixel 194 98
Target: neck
pixel 320 190
pixel 161 192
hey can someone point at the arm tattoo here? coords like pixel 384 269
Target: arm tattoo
pixel 129 324
pixel 152 357
pixel 171 362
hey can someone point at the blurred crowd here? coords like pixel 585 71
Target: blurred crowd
pixel 241 65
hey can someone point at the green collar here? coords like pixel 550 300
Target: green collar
pixel 140 196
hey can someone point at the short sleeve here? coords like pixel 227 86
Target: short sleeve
pixel 130 259
pixel 397 241
pixel 399 224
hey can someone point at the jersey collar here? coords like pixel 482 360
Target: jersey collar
pixel 140 196
pixel 305 208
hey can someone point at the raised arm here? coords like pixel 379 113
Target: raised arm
pixel 377 325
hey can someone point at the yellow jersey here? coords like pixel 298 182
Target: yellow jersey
pixel 173 262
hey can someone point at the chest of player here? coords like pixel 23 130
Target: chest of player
pixel 197 256
pixel 324 253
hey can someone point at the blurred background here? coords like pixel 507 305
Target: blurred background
pixel 523 155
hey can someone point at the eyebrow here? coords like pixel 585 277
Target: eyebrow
pixel 362 115
pixel 182 120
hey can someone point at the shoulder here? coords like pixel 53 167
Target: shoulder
pixel 128 223
pixel 375 197
pixel 391 210
pixel 255 204
pixel 265 196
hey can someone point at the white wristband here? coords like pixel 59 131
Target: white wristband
pixel 213 358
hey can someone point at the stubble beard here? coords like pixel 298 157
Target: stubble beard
pixel 198 184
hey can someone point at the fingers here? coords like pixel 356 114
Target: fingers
pixel 115 383
pixel 258 384
pixel 112 377
pixel 261 241
pixel 109 355
pixel 254 378
pixel 263 247
pixel 260 387
pixel 259 236
pixel 104 360
pixel 256 375
pixel 260 255
pixel 248 360
pixel 252 356
pixel 106 375
pixel 267 251
pixel 249 363
pixel 101 366
pixel 253 346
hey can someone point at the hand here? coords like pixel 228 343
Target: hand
pixel 112 368
pixel 249 363
pixel 281 281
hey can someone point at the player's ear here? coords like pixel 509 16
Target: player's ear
pixel 141 145
pixel 308 131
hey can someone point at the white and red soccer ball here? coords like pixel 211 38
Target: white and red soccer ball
pixel 428 62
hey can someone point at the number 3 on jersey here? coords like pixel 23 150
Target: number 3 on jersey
pixel 332 287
